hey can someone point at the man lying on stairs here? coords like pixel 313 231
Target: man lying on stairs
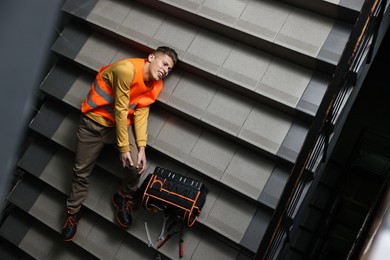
pixel 116 110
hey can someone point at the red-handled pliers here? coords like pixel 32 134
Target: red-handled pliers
pixel 174 228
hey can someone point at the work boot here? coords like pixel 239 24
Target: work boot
pixel 124 207
pixel 70 227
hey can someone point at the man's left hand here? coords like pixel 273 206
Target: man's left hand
pixel 141 160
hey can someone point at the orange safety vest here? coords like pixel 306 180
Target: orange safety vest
pixel 100 99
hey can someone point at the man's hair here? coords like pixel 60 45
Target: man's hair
pixel 167 51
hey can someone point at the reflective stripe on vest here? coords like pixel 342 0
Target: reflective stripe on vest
pixel 109 99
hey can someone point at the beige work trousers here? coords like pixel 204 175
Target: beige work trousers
pixel 91 137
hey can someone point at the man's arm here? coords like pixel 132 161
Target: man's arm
pixel 121 77
pixel 141 135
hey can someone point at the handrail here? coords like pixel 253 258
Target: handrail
pixel 318 136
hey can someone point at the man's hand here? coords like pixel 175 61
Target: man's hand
pixel 126 159
pixel 141 160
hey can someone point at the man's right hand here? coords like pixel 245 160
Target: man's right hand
pixel 126 160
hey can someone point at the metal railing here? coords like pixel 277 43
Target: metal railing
pixel 358 49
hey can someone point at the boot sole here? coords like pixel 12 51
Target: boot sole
pixel 70 239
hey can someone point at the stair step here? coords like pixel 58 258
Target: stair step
pixel 218 205
pixel 343 233
pixel 267 78
pixel 9 251
pixel 337 248
pixel 322 199
pixel 302 241
pixel 346 11
pixel 350 218
pixel 312 219
pixel 37 240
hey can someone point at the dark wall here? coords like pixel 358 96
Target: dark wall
pixel 27 30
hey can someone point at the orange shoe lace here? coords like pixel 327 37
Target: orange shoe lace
pixel 70 221
pixel 129 206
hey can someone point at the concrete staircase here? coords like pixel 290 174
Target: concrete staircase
pixel 233 114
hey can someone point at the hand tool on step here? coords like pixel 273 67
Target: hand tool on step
pixel 150 243
pixel 165 220
pixel 172 229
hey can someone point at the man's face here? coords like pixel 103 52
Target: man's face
pixel 160 66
